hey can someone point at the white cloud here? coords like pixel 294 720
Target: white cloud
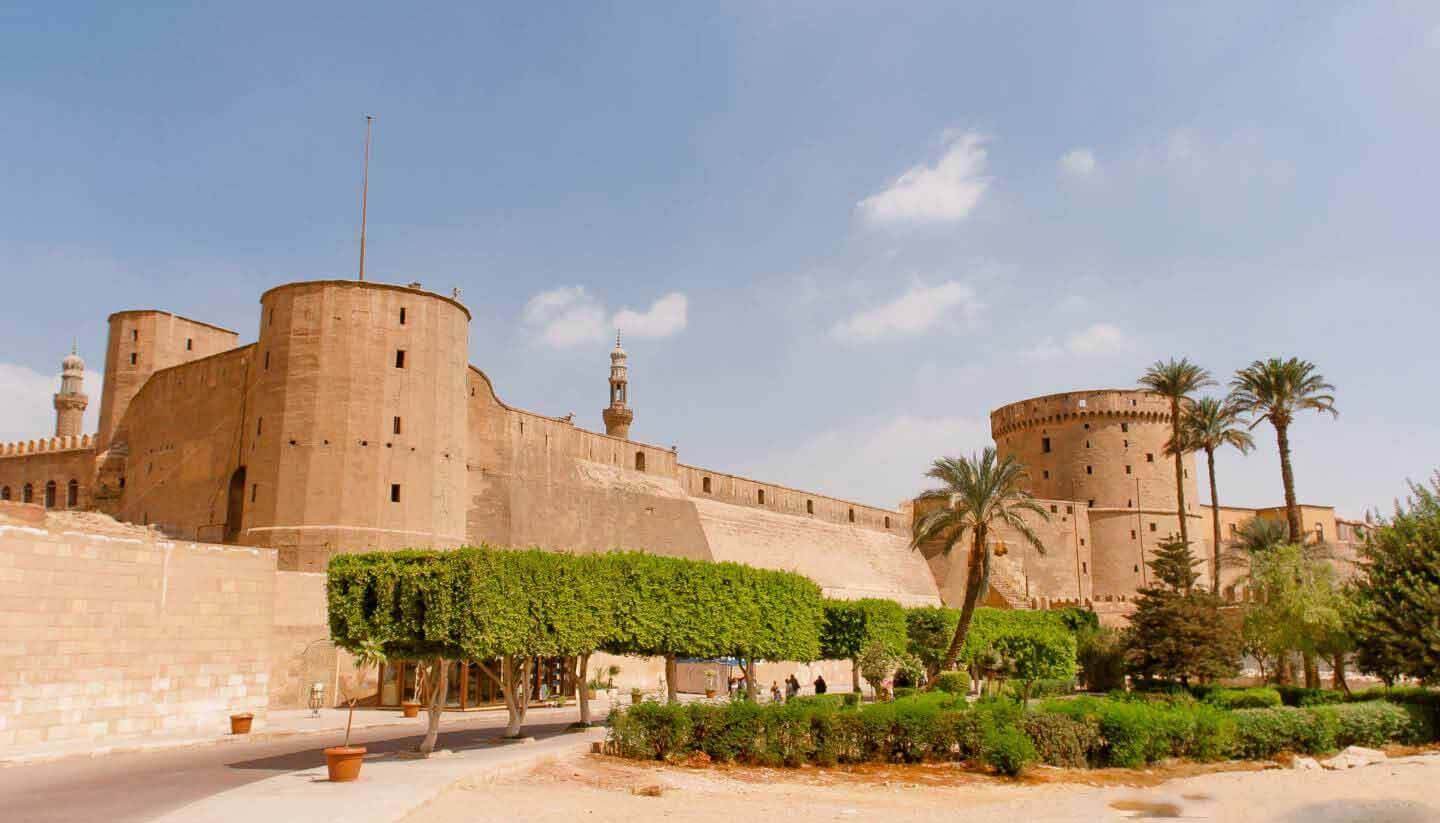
pixel 571 315
pixel 666 316
pixel 28 412
pixel 878 461
pixel 1078 162
pixel 912 312
pixel 945 192
pixel 1093 340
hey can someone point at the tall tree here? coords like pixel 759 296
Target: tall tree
pixel 1178 632
pixel 976 494
pixel 1398 591
pixel 1275 390
pixel 1177 380
pixel 1210 424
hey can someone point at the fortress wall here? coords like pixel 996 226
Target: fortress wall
pixel 300 650
pixel 742 491
pixel 539 481
pixel 153 340
pixel 113 631
pixel 324 463
pixel 846 561
pixel 182 431
pixel 38 467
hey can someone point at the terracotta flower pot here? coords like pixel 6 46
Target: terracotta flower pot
pixel 709 693
pixel 636 698
pixel 410 709
pixel 343 762
pixel 240 723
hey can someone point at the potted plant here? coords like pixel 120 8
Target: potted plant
pixel 594 687
pixel 343 761
pixel 240 723
pixel 710 678
pixel 636 696
pixel 411 708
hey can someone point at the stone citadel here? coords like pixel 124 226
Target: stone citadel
pixel 354 422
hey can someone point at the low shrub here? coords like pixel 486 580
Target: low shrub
pixel 1263 733
pixel 905 691
pixel 654 731
pixel 1301 696
pixel 1008 750
pixel 957 682
pixel 1039 689
pixel 1137 732
pixel 1257 698
pixel 850 700
pixel 1376 723
pixel 1101 656
pixel 1062 740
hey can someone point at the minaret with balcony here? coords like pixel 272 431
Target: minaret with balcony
pixel 618 415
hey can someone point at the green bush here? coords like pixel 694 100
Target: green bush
pixel 850 699
pixel 1137 732
pixel 957 682
pixel 1301 696
pixel 653 731
pixel 1263 733
pixel 1376 723
pixel 1259 698
pixel 1101 657
pixel 725 732
pixel 1008 750
pixel 1056 687
pixel 1061 740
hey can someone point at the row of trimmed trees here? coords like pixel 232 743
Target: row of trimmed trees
pixel 502 609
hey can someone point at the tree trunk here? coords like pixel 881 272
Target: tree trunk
pixel 1214 523
pixel 1284 668
pixel 582 686
pixel 1312 670
pixel 855 674
pixel 750 692
pixel 1337 675
pixel 514 682
pixel 672 671
pixel 1287 476
pixel 439 685
pixel 976 580
pixel 1179 468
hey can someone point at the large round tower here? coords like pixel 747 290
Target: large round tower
pixel 354 429
pixel 1104 449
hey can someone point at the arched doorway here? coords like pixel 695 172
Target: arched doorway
pixel 235 506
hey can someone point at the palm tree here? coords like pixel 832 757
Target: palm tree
pixel 1177 380
pixel 976 494
pixel 1208 425
pixel 1275 390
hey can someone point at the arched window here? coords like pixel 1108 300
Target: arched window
pixel 27 494
pixel 639 461
pixel 50 494
pixel 72 494
pixel 760 496
pixel 852 515
pixel 809 506
pixel 5 493
pixel 705 484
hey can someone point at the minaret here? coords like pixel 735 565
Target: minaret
pixel 618 415
pixel 71 401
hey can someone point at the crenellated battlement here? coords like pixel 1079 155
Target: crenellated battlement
pixel 46 445
pixel 1054 409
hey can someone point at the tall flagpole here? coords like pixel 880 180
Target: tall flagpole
pixel 365 195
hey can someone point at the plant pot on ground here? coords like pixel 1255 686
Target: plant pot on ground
pixel 636 696
pixel 343 762
pixel 410 709
pixel 240 723
pixel 709 693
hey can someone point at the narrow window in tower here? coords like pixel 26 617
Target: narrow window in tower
pixel 394 492
pixel 1089 469
pixel 133 357
pixel 1069 509
pixel 402 315
pixel 852 515
pixel 705 485
pixel 1125 427
pixel 134 334
pixel 1132 534
pixel 1087 427
pixel 1149 457
pixel 1187 473
pixel 760 497
pixel 122 481
pixel 1047 474
pixel 1152 527
pixel 254 490
pixel 1126 443
pixel 259 425
pixel 639 461
pixel 270 318
pixel 887 522
pixel 1129 504
pixel 809 506
pixel 1045 445
pixel 1084 568
pixel 267 359
pixel 1092 504
pixel 399 358
pixel 1054 509
pixel 1127 470
pixel 1082 541
pixel 189 344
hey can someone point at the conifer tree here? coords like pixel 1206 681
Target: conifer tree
pixel 1398 592
pixel 1179 632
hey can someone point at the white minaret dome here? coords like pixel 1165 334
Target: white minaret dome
pixel 72 362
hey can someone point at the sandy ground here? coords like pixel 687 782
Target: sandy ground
pixel 594 788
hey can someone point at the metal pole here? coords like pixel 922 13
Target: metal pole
pixel 365 195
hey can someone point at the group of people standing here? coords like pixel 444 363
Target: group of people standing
pixel 792 688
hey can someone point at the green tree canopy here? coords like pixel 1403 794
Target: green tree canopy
pixel 1398 591
pixel 1178 632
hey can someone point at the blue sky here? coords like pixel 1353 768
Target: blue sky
pixel 837 234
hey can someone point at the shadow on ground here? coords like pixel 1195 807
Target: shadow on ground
pixel 455 741
pixel 1370 810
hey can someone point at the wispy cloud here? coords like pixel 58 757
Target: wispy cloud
pixel 945 192
pixel 571 315
pixel 912 313
pixel 1093 340
pixel 1079 163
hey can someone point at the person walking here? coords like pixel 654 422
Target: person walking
pixel 775 692
pixel 819 684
